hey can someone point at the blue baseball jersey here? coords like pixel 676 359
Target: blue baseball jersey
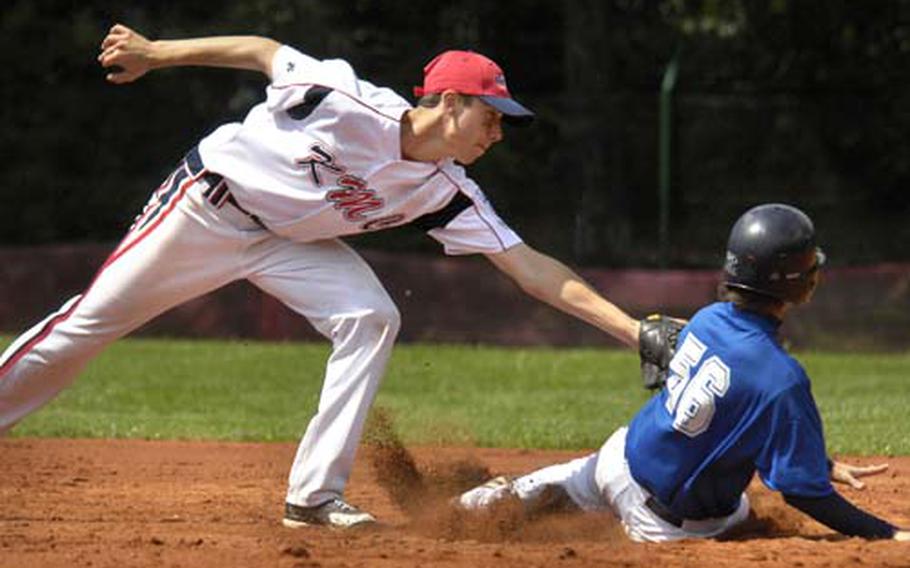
pixel 735 403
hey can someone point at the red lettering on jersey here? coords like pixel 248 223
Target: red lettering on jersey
pixel 354 198
pixel 382 222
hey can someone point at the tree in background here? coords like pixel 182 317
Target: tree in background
pixel 777 100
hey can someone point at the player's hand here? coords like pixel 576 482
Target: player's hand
pixel 127 53
pixel 848 474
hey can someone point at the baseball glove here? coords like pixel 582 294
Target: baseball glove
pixel 656 346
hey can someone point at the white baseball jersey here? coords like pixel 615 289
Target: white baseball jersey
pixel 321 158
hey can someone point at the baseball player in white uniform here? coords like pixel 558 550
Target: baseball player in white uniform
pixel 327 154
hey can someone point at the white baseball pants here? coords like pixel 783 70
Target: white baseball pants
pixel 185 244
pixel 601 482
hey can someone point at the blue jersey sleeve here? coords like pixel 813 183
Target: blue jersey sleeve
pixel 793 460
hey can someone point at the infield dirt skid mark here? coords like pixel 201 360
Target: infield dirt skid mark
pixel 425 493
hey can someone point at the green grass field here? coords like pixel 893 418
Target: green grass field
pixel 437 394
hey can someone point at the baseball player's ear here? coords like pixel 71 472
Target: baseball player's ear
pixel 450 100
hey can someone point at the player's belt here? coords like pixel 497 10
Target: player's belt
pixel 217 192
pixel 663 512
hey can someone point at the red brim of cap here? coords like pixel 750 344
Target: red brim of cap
pixel 513 112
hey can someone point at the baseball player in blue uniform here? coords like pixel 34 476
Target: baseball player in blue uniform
pixel 325 155
pixel 735 403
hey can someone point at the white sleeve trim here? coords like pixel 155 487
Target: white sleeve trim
pixel 473 232
pixel 288 63
pixel 477 229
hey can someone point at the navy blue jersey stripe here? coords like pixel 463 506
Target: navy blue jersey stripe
pixel 166 197
pixel 194 160
pixel 444 216
pixel 217 198
pixel 311 100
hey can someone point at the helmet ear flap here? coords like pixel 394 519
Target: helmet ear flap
pixel 812 280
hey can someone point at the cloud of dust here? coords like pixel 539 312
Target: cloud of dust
pixel 426 492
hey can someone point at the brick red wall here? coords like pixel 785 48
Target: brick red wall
pixel 466 300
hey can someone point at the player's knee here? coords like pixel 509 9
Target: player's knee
pixel 391 318
pixel 382 318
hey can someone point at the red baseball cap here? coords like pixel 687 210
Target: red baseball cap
pixel 471 73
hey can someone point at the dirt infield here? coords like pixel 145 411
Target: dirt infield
pixel 200 504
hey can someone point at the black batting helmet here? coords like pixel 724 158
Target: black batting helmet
pixel 772 251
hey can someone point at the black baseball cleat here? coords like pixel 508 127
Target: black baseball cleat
pixel 335 513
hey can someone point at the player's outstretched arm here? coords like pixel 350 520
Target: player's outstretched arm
pixel 130 55
pixel 849 474
pixel 550 281
pixel 846 518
